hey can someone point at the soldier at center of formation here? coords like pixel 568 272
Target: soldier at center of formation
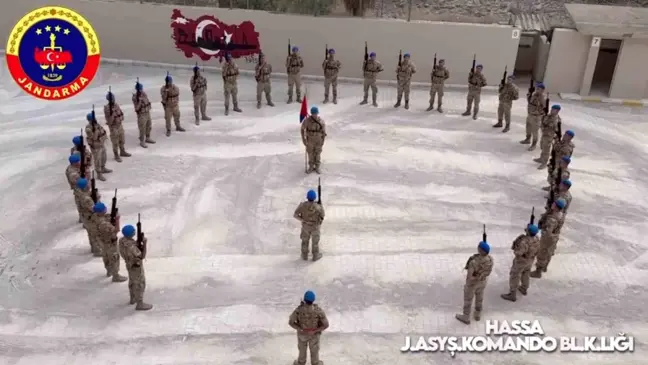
pixel 294 64
pixel 198 85
pixel 331 68
pixel 311 215
pixel 262 74
pixel 115 119
pixel 476 81
pixel 371 69
pixel 525 247
pixel 142 107
pixel 438 77
pixel 508 93
pixel 134 257
pixel 536 112
pixel 479 267
pixel 548 127
pixel 96 136
pixel 404 73
pixel 313 134
pixel 107 236
pixel 230 83
pixel 309 320
pixel 170 98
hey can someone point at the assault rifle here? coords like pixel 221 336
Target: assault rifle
pixel 400 62
pixel 503 82
pixel 532 219
pixel 166 85
pixel 366 58
pixel 81 148
pixel 93 120
pixel 472 69
pixel 114 210
pixel 552 190
pixel 435 63
pixel 93 187
pixel 257 74
pixel 319 191
pixel 326 52
pixel 289 48
pixel 140 234
pixel 531 90
pixel 195 70
pixel 484 236
pixel 111 101
pixel 546 107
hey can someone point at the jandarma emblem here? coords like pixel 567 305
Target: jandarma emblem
pixel 53 53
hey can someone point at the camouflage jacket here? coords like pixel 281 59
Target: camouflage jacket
pixel 372 69
pixel 479 268
pixel 476 81
pixel 439 75
pixel 85 203
pixel 107 232
pixel 129 251
pixel 313 130
pixel 309 213
pixel 564 149
pixel 72 173
pixel 308 317
pixel 198 84
pixel 114 116
pixel 95 135
pixel 564 175
pixel 262 72
pixel 230 73
pixel 170 96
pixel 87 155
pixel 536 104
pixel 549 223
pixel 525 247
pixel 141 103
pixel 294 64
pixel 566 195
pixel 550 124
pixel 331 67
pixel 405 71
pixel 508 93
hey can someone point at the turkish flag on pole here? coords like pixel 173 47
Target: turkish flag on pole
pixel 303 113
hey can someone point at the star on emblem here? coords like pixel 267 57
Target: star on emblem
pixel 66 31
pixel 39 31
pixel 57 28
pixel 48 28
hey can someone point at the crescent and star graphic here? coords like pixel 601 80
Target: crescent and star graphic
pixel 199 32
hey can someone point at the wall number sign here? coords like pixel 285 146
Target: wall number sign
pixel 596 42
pixel 516 33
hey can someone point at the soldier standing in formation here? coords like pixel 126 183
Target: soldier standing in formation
pixel 311 215
pixel 476 81
pixel 525 247
pixel 404 73
pixel 142 107
pixel 170 98
pixel 309 320
pixel 479 266
pixel 107 235
pixel 294 64
pixel 331 68
pixel 549 223
pixel 198 85
pixel 565 147
pixel 313 134
pixel 548 126
pixel 371 68
pixel 73 173
pixel 76 148
pixel 86 209
pixel 96 137
pixel 439 75
pixel 564 194
pixel 134 258
pixel 535 110
pixel 563 168
pixel 115 119
pixel 508 93
pixel 230 83
pixel 262 74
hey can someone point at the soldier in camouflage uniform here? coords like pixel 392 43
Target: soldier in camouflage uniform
pixel 371 69
pixel 535 113
pixel 563 168
pixel 76 141
pixel 142 107
pixel 309 320
pixel 564 194
pixel 198 86
pixel 549 126
pixel 294 64
pixel 107 235
pixel 331 68
pixel 96 136
pixel 479 266
pixel 230 83
pixel 525 247
pixel 311 215
pixel 170 95
pixel 313 134
pixel 476 81
pixel 548 223
pixel 508 93
pixel 438 76
pixel 565 147
pixel 73 173
pixel 86 207
pixel 262 74
pixel 114 120
pixel 134 258
pixel 404 73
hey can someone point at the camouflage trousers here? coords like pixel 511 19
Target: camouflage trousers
pixel 314 152
pixel 93 235
pixel 504 112
pixel 144 125
pixel 403 87
pixel 136 283
pixel 370 83
pixel 294 81
pixel 230 90
pixel 328 83
pixel 547 250
pixel 305 341
pixel 310 232
pixel 474 97
pixel 520 270
pixel 436 90
pixel 111 257
pixel 117 139
pixel 171 112
pixel 532 127
pixel 473 290
pixel 76 203
pixel 264 88
pixel 545 147
pixel 100 158
pixel 200 105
